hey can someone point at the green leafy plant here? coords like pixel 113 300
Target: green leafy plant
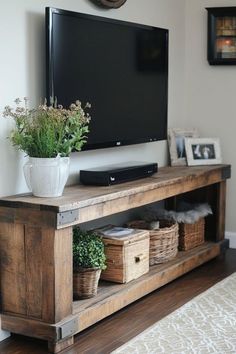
pixel 88 250
pixel 48 131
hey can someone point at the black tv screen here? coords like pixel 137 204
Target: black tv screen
pixel 120 68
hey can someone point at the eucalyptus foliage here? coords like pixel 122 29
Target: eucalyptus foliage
pixel 48 131
pixel 88 250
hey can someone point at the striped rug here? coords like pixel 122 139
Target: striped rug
pixel 204 325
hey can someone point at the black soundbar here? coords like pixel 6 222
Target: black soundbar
pixel 114 174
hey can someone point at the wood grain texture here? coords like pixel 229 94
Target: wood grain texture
pixel 12 271
pixel 57 274
pixel 220 210
pixel 92 202
pixel 48 281
pixel 114 297
pixel 168 179
pixel 29 327
pixel 63 273
pixel 56 347
pixel 36 272
pixel 37 329
pixel 36 252
pixel 122 326
pixel 28 217
pixel 33 271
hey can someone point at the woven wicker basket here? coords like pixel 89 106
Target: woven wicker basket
pixel 85 282
pixel 163 241
pixel 191 235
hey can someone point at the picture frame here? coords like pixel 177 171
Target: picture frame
pixel 221 37
pixel 176 142
pixel 203 151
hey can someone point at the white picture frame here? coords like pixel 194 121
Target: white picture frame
pixel 176 142
pixel 203 151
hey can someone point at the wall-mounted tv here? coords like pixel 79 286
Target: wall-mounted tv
pixel 121 68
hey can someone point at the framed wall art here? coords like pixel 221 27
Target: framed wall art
pixel 203 151
pixel 176 141
pixel 221 35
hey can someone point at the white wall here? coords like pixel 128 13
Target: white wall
pixel 22 73
pixel 210 95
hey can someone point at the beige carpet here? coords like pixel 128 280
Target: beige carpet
pixel 206 324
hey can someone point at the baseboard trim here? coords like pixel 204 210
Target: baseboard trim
pixel 232 238
pixel 4 335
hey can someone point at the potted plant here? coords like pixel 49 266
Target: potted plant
pixel 88 262
pixel 47 135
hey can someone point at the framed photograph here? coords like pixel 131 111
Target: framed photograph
pixel 176 141
pixel 203 151
pixel 221 35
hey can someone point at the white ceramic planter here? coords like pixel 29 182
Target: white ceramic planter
pixel 46 177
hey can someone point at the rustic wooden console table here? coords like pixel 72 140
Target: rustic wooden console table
pixel 36 250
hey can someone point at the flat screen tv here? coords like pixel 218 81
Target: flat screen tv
pixel 121 68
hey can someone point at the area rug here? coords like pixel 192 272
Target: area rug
pixel 206 324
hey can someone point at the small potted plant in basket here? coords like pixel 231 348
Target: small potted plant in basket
pixel 88 262
pixel 48 134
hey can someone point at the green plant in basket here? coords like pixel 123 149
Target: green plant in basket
pixel 88 250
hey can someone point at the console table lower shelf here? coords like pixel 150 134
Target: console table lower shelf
pixel 111 298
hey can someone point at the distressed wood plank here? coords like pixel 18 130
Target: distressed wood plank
pixel 78 196
pixel 36 272
pixel 33 269
pixel 48 281
pixel 28 217
pixel 141 198
pixel 63 273
pixel 29 327
pixel 37 329
pixel 95 202
pixel 12 270
pixel 57 274
pixel 56 347
pixel 220 211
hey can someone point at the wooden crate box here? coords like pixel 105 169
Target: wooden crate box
pixel 127 254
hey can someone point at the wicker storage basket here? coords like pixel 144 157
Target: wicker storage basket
pixel 191 235
pixel 163 241
pixel 85 282
pixel 127 257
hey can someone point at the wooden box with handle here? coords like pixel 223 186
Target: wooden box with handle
pixel 127 252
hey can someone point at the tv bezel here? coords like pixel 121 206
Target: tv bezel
pixel 49 11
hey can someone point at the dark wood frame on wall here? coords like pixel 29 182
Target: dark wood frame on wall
pixel 214 35
pixel 110 3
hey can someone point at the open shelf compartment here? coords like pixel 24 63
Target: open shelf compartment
pixel 112 297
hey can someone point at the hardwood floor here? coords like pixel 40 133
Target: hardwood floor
pixel 112 332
